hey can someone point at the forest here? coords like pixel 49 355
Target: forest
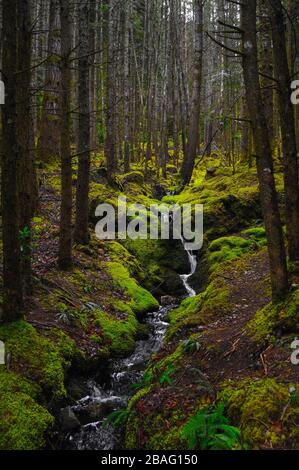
pixel 174 125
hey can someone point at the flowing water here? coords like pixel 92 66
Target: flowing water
pixel 185 277
pixel 93 409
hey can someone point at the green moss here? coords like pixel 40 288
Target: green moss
pixel 36 357
pixel 141 301
pixel 118 252
pixel 133 425
pixel 227 249
pixel 231 202
pixel 23 422
pixel 200 310
pixel 120 332
pixel 257 408
pixel 283 316
pixel 257 234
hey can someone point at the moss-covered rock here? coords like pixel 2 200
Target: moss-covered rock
pixel 140 300
pixel 199 310
pixel 264 410
pixel 23 422
pixel 38 358
pixel 275 317
pixel 120 333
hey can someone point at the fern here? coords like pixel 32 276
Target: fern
pixel 166 375
pixel 210 430
pixel 117 418
pixel 146 380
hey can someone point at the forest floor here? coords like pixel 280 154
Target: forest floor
pixel 225 365
pixel 228 345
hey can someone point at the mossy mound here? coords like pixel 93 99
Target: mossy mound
pixel 160 262
pixel 199 310
pixel 227 249
pixel 266 411
pixel 141 301
pixel 38 358
pixel 23 422
pixel 231 202
pixel 119 332
pixel 280 316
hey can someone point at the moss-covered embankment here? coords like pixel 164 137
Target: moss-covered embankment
pixel 226 349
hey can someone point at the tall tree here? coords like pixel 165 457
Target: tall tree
pixel 81 234
pixel 127 20
pixel 193 130
pixel 12 281
pixel 65 240
pixel 24 122
pixel 110 143
pixel 287 124
pixel 48 143
pixel 268 195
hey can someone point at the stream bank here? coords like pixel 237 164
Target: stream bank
pixel 88 416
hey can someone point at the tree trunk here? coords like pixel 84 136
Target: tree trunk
pixel 65 239
pixel 12 281
pixel 26 163
pixel 127 13
pixel 193 131
pixel 287 124
pixel 276 249
pixel 110 144
pixel 81 234
pixel 48 144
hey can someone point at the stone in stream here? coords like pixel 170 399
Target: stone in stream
pixel 168 300
pixel 69 421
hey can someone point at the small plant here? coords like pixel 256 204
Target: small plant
pixel 191 345
pixel 166 375
pixel 209 429
pixel 117 418
pixel 146 380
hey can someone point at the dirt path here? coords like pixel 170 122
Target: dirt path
pixel 229 352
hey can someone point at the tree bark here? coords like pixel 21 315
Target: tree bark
pixel 65 238
pixel 193 131
pixel 268 196
pixel 48 144
pixel 81 234
pixel 287 124
pixel 26 163
pixel 12 280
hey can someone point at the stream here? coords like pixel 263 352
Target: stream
pixel 96 433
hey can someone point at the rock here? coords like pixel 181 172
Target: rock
pixel 159 191
pixel 168 300
pixel 69 420
pixel 211 172
pixel 143 332
pixel 133 177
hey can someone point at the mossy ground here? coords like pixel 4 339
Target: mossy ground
pixel 36 376
pixel 266 411
pixel 282 317
pixel 23 422
pixel 218 362
pixel 92 312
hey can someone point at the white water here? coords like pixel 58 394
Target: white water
pixel 193 264
pixel 123 372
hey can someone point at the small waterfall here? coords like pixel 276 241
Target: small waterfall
pixel 193 265
pixel 93 409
